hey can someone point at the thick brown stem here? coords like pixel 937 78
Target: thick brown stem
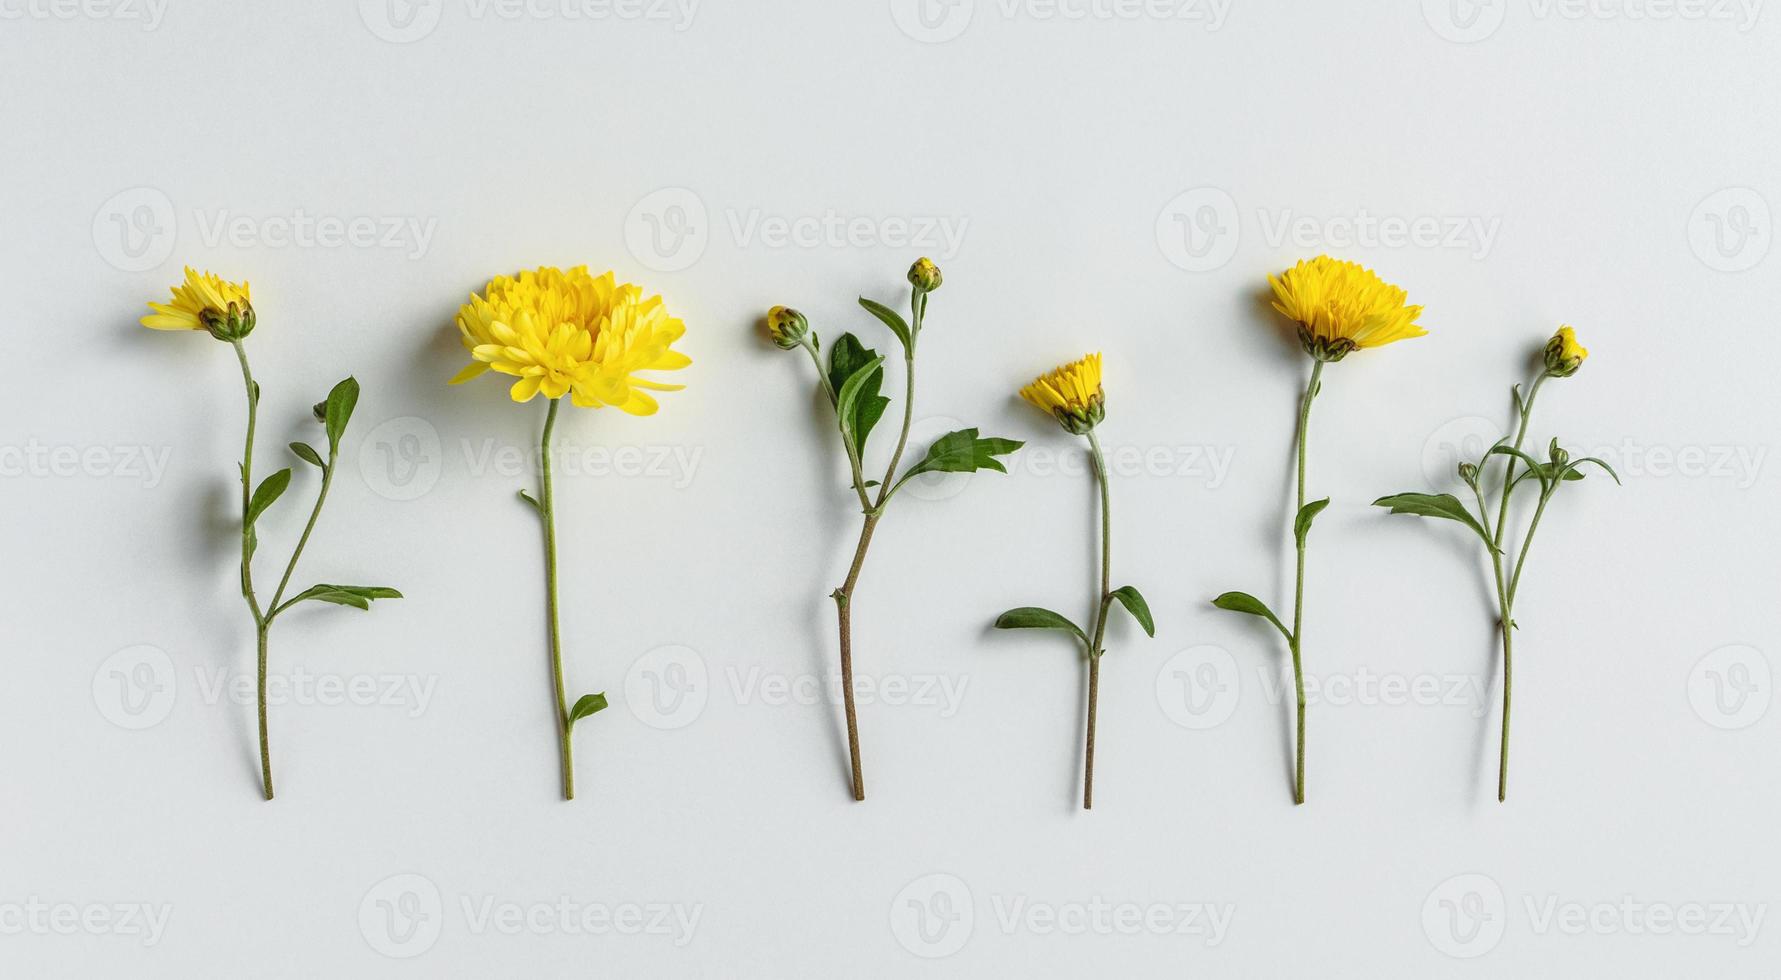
pixel 844 617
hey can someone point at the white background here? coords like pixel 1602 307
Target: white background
pixel 1123 179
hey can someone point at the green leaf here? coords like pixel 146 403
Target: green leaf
pixel 859 405
pixel 1243 602
pixel 847 356
pixel 528 498
pixel 891 318
pixel 1503 449
pixel 265 494
pixel 307 454
pixel 357 596
pixel 1444 505
pixel 1134 603
pixel 340 404
pixel 586 705
pixel 962 452
pixel 1035 618
pixel 1571 473
pixel 1301 525
pixel 846 359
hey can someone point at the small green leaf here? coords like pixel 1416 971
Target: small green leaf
pixel 1134 603
pixel 357 596
pixel 528 498
pixel 265 494
pixel 1571 472
pixel 891 318
pixel 847 356
pixel 1035 618
pixel 859 405
pixel 1301 525
pixel 1444 505
pixel 586 705
pixel 307 454
pixel 962 452
pixel 1243 602
pixel 340 404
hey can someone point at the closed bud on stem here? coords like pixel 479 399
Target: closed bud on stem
pixel 925 275
pixel 787 327
pixel 1469 473
pixel 1563 354
pixel 231 324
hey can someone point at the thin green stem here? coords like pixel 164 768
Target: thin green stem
pixel 547 510
pixel 1298 597
pixel 886 485
pixel 1506 594
pixel 315 514
pixel 1096 648
pixel 1527 413
pixel 262 622
pixel 853 457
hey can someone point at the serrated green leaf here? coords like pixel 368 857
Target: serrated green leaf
pixel 586 705
pixel 859 405
pixel 265 494
pixel 1134 603
pixel 962 452
pixel 1036 618
pixel 1243 602
pixel 339 407
pixel 308 454
pixel 891 318
pixel 845 357
pixel 1301 525
pixel 1444 505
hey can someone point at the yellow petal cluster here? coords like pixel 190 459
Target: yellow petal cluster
pixel 1343 306
pixel 201 291
pixel 571 333
pixel 1564 355
pixel 1071 394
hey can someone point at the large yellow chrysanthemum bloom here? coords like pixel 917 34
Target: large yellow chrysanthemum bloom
pixel 201 292
pixel 1342 306
pixel 1071 394
pixel 570 333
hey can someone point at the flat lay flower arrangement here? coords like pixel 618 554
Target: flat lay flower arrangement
pixel 598 343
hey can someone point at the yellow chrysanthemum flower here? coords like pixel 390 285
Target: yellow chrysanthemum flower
pixel 1342 306
pixel 1563 354
pixel 571 333
pixel 203 292
pixel 1071 394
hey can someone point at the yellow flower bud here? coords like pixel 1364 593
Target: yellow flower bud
pixel 787 327
pixel 1563 354
pixel 925 275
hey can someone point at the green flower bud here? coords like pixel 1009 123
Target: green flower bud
pixel 787 327
pixel 925 275
pixel 1469 473
pixel 231 325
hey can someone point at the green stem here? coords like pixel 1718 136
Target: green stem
pixel 1298 597
pixel 547 510
pixel 262 622
pixel 315 514
pixel 1506 594
pixel 1096 648
pixel 853 457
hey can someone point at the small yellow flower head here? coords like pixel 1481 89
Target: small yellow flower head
pixel 1342 306
pixel 207 302
pixel 1563 354
pixel 787 327
pixel 925 275
pixel 1071 394
pixel 570 333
